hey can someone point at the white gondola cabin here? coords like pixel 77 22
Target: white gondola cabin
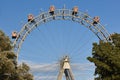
pixel 14 34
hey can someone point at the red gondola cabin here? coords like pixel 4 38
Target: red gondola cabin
pixel 75 10
pixel 52 9
pixel 96 19
pixel 14 35
pixel 30 17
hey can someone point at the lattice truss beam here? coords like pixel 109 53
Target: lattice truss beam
pixel 61 14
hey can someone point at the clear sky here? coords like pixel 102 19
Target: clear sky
pixel 44 47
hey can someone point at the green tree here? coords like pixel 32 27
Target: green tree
pixel 5 43
pixel 8 68
pixel 106 57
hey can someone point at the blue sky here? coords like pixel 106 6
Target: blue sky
pixel 51 41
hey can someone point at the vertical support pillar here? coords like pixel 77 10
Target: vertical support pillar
pixel 65 69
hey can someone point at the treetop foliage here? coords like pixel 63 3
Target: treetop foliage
pixel 106 58
pixel 9 70
pixel 5 43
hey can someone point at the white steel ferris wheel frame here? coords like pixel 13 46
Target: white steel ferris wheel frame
pixel 60 14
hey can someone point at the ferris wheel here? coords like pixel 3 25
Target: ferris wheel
pixel 58 39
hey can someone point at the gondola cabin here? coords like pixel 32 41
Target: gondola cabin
pixel 52 9
pixel 75 10
pixel 14 34
pixel 30 17
pixel 96 19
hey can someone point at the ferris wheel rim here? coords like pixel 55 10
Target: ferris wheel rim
pixel 60 14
